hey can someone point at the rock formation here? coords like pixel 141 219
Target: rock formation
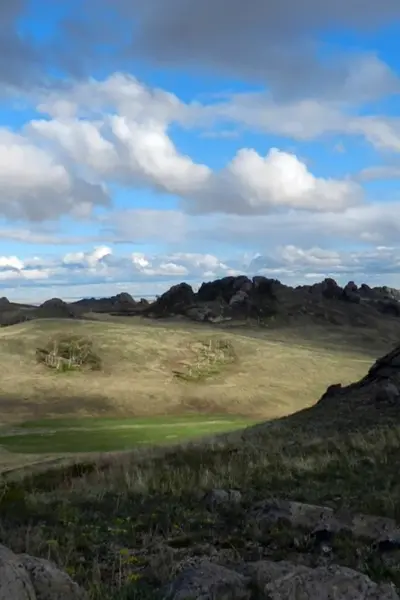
pixel 24 577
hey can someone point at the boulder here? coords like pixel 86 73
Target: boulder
pixel 219 497
pixel 318 519
pixel 268 580
pixel 286 581
pixel 176 300
pixel 24 577
pixel 208 581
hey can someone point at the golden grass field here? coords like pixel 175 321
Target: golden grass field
pixel 273 374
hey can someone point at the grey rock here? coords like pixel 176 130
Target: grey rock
pixel 49 582
pixel 286 581
pixel 239 298
pixel 387 393
pixel 15 583
pixel 218 497
pixel 24 577
pixel 208 581
pixel 316 518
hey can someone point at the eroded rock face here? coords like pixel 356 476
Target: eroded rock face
pixel 177 300
pixel 24 577
pixel 261 298
pixel 380 386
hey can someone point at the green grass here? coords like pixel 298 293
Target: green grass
pixel 122 527
pixel 105 435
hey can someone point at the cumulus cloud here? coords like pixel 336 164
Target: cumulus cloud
pixel 101 272
pixel 35 186
pixel 255 184
pixel 137 153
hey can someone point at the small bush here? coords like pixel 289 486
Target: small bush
pixel 69 353
pixel 207 358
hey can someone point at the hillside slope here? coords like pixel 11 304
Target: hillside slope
pixel 318 490
pixel 149 370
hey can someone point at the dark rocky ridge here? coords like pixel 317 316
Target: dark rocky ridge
pixel 261 298
pixel 231 299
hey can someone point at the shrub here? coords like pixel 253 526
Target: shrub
pixel 69 353
pixel 206 359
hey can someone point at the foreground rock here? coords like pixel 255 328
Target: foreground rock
pixel 276 581
pixel 23 577
pixel 324 522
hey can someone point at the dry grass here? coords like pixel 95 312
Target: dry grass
pixel 269 377
pixel 124 525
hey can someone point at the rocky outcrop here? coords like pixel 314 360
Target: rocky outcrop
pixel 261 298
pixel 177 300
pixel 268 580
pixel 121 303
pixel 323 522
pixel 380 386
pixel 236 298
pixel 55 308
pixel 24 577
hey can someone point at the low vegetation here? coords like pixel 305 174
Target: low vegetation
pixel 206 359
pixel 122 524
pixel 69 353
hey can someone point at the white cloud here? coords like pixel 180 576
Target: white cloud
pixel 255 184
pixel 11 261
pixel 37 278
pixel 91 260
pixel 138 154
pixel 34 186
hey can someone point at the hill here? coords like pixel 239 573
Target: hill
pixel 159 381
pixel 236 300
pixel 298 504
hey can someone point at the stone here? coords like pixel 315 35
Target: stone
pixel 208 581
pixel 286 581
pixel 387 393
pixel 316 519
pixel 49 582
pixel 239 297
pixel 218 497
pixel 15 583
pixel 24 577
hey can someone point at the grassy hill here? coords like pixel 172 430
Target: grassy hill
pixel 180 381
pixel 124 523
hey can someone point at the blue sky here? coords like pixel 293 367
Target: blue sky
pixel 142 144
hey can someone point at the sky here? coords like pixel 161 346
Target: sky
pixel 143 144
